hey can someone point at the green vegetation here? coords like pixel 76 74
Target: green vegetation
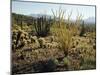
pixel 42 26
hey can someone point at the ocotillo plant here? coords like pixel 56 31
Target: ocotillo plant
pixel 62 33
pixel 42 26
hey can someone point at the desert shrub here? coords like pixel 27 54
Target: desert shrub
pixel 33 39
pixel 42 26
pixel 82 29
pixel 66 61
pixel 62 33
pixel 64 38
pixel 71 64
pixel 19 38
pixel 87 56
pixel 88 59
pixel 56 61
pixel 65 29
pixel 89 28
pixel 42 42
pixel 75 27
pixel 88 62
pixel 15 27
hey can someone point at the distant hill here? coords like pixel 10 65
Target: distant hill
pixel 90 20
pixel 39 15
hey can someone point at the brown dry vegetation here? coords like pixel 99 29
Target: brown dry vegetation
pixel 61 49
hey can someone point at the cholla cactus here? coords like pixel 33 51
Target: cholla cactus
pixel 42 26
pixel 33 39
pixel 42 42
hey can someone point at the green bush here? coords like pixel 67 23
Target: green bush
pixel 66 61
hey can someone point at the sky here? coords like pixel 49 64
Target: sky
pixel 28 8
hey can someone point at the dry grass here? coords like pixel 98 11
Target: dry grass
pixel 64 38
pixel 60 30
